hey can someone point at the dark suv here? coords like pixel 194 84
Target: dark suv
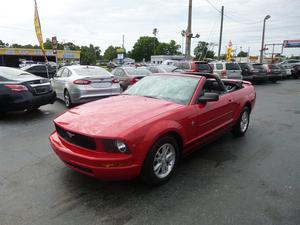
pixel 253 72
pixel 194 66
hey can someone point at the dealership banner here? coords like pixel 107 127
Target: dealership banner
pixel 291 43
pixel 38 29
pixel 228 53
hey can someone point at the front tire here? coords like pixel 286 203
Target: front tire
pixel 161 161
pixel 242 124
pixel 67 99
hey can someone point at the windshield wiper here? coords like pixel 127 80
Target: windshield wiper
pixel 23 74
pixel 149 96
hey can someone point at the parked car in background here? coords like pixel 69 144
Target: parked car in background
pixel 296 71
pixel 194 66
pixel 26 63
pixel 289 63
pixel 130 75
pixel 20 90
pixel 40 70
pixel 146 131
pixel 80 84
pixel 273 72
pixel 162 68
pixel 253 72
pixel 284 72
pixel 227 70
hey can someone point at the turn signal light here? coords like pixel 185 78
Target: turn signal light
pixel 82 82
pixel 16 87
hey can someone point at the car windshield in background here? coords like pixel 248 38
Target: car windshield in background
pixel 91 71
pixel 232 66
pixel 137 71
pixel 203 66
pixel 10 73
pixel 168 68
pixel 258 66
pixel 175 89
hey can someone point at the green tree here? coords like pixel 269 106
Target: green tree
pixel 144 48
pixel 88 55
pixel 110 53
pixel 202 51
pixel 167 48
pixel 2 44
pixel 242 54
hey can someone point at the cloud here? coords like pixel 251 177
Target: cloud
pixel 104 22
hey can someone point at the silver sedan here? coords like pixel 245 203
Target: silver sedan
pixel 80 84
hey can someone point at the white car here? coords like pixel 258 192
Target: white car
pixel 227 70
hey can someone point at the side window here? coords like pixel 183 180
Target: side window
pixel 59 73
pixel 212 66
pixel 65 73
pixel 219 66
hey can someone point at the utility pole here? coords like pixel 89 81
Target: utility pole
pixel 189 32
pixel 221 32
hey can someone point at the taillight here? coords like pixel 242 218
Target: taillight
pixel 223 74
pixel 115 80
pixel 82 82
pixel 134 80
pixel 16 87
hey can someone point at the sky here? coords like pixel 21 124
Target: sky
pixel 103 22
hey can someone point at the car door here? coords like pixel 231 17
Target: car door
pixel 213 117
pixel 58 84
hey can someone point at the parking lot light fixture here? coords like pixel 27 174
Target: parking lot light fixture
pixel 263 39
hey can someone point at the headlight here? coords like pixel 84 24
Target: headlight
pixel 121 146
pixel 116 146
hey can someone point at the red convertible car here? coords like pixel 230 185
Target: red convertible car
pixel 146 130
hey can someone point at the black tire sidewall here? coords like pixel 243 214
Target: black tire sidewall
pixel 148 175
pixel 66 92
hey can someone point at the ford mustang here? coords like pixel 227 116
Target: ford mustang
pixel 146 130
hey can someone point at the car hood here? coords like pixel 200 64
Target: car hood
pixel 113 117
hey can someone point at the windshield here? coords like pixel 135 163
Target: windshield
pixel 168 68
pixel 11 73
pixel 232 66
pixel 258 66
pixel 203 66
pixel 175 89
pixel 137 71
pixel 91 71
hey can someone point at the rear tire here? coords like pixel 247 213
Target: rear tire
pixel 67 99
pixel 242 124
pixel 161 161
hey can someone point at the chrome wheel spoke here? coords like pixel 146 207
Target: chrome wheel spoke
pixel 164 160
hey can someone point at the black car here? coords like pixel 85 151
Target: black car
pixel 40 70
pixel 296 71
pixel 20 90
pixel 253 72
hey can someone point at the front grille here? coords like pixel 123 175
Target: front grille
pixel 76 139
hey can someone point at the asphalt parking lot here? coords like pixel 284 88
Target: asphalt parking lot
pixel 250 180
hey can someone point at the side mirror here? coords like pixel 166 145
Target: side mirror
pixel 208 97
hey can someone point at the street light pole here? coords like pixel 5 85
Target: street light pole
pixel 263 39
pixel 189 32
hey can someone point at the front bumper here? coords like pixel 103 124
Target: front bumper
pixel 274 77
pixel 101 165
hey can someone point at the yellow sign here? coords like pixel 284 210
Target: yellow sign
pixel 61 54
pixel 228 53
